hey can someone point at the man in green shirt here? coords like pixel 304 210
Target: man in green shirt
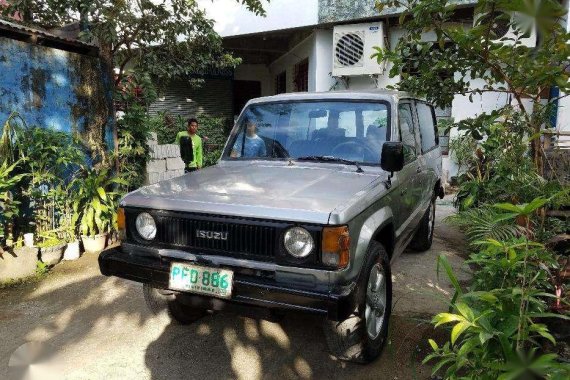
pixel 190 146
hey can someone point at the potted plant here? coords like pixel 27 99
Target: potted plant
pixel 95 208
pixel 51 248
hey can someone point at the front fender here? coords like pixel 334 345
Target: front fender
pixel 362 230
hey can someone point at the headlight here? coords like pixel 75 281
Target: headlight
pixel 146 227
pixel 298 242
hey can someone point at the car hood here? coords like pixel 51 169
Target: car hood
pixel 300 192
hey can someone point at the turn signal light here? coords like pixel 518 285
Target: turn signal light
pixel 336 247
pixel 121 223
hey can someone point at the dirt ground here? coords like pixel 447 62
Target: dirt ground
pixel 94 327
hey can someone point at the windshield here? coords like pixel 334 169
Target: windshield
pixel 352 131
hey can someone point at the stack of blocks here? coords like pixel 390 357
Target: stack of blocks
pixel 165 162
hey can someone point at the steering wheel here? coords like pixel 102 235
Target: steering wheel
pixel 352 149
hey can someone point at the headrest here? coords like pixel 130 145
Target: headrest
pixel 329 132
pixel 376 132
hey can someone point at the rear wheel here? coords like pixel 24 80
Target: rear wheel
pixel 424 235
pixel 361 337
pixel 158 300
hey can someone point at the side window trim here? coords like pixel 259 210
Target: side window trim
pixel 409 103
pixel 419 129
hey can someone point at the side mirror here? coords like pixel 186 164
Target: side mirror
pixel 392 159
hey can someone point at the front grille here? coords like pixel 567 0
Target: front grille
pixel 259 239
pixel 240 238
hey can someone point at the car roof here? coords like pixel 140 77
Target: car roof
pixel 379 94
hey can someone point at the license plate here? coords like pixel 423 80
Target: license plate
pixel 201 280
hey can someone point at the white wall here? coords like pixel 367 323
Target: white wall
pixel 563 119
pixel 259 73
pixel 287 62
pixel 232 18
pixel 322 54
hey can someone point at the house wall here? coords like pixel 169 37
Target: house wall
pixel 563 117
pixel 287 62
pixel 52 88
pixel 258 72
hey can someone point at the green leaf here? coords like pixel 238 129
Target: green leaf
pixel 102 193
pixel 458 329
pixel 465 311
pixel 433 344
pixel 509 207
pixel 445 263
pixel 443 318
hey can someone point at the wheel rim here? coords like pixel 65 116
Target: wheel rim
pixel 375 301
pixel 431 219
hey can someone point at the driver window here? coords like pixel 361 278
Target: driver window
pixel 407 135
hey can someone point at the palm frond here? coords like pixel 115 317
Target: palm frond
pixel 485 223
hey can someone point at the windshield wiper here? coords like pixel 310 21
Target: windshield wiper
pixel 331 159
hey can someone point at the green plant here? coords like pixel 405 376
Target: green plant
pixel 9 207
pixel 134 132
pixel 41 269
pixel 485 222
pixel 95 205
pixel 496 331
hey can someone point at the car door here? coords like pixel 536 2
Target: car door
pixel 408 187
pixel 427 135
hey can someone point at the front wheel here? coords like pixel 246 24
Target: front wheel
pixel 361 337
pixel 159 299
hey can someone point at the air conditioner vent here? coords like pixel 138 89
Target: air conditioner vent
pixel 350 49
pixel 353 46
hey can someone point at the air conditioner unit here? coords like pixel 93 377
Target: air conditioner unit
pixel 353 46
pixel 507 31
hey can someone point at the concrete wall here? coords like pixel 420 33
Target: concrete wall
pixel 165 162
pixel 345 10
pixel 52 88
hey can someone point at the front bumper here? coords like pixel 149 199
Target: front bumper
pixel 247 290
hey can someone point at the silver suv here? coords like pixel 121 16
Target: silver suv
pixel 313 198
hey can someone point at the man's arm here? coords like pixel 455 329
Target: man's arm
pixel 177 140
pixel 199 157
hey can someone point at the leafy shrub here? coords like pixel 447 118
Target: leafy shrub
pixel 496 331
pixel 134 130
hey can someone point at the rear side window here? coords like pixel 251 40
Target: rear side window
pixel 407 135
pixel 426 118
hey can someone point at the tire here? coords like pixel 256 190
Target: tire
pixel 349 339
pixel 158 300
pixel 423 237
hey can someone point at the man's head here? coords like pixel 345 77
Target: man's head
pixel 192 126
pixel 251 127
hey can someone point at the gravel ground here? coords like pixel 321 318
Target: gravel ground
pixel 94 327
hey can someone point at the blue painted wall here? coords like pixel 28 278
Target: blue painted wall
pixel 52 88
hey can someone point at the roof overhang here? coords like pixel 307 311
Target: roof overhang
pixel 43 38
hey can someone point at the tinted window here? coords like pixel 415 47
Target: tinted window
pixel 407 135
pixel 427 126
